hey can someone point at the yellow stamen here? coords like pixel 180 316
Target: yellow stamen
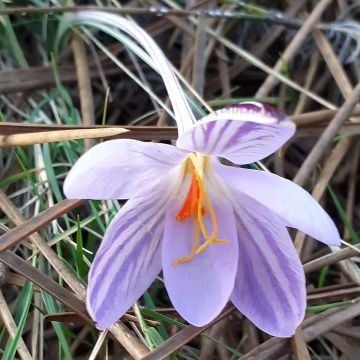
pixel 212 238
pixel 193 250
pixel 197 204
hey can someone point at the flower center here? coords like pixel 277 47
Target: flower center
pixel 197 205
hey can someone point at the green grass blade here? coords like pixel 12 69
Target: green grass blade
pixel 12 40
pixel 354 238
pixel 22 314
pixel 80 265
pixel 51 308
pixel 319 308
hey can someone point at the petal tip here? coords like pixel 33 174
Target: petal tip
pixel 66 188
pixel 268 113
pixel 102 326
pixel 69 189
pixel 102 322
pixel 335 242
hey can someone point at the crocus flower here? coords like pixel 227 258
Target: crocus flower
pixel 217 232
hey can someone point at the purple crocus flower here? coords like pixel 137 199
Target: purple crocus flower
pixel 217 232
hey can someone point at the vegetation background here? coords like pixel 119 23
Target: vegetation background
pixel 302 56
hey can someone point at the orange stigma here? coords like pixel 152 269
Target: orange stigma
pixel 191 201
pixel 197 205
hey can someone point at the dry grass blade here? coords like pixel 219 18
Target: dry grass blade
pixel 84 83
pixel 98 345
pixel 325 139
pixel 183 337
pixel 333 64
pixel 21 267
pixel 329 259
pixel 336 295
pixel 66 317
pixel 274 348
pixel 42 77
pixel 291 49
pixel 314 117
pixel 73 317
pixel 58 135
pixel 298 345
pixel 26 228
pixel 134 132
pixel 344 346
pixel 16 217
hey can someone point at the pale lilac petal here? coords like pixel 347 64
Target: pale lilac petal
pixel 128 259
pixel 270 284
pixel 296 207
pixel 241 133
pixel 121 169
pixel 199 289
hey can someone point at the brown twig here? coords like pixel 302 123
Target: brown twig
pixel 84 82
pixel 298 346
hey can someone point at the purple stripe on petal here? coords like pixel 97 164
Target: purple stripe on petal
pixel 200 288
pixel 270 292
pixel 234 139
pixel 109 258
pixel 244 134
pixel 109 261
pixel 260 301
pixel 295 206
pixel 139 252
pixel 282 297
pixel 130 257
pixel 220 134
pixel 131 217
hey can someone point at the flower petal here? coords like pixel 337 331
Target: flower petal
pixel 270 284
pixel 121 169
pixel 296 207
pixel 242 133
pixel 200 288
pixel 128 259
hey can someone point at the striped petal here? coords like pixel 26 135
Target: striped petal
pixel 128 259
pixel 200 288
pixel 242 133
pixel 295 206
pixel 270 283
pixel 121 169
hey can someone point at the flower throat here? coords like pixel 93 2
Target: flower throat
pixel 197 205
